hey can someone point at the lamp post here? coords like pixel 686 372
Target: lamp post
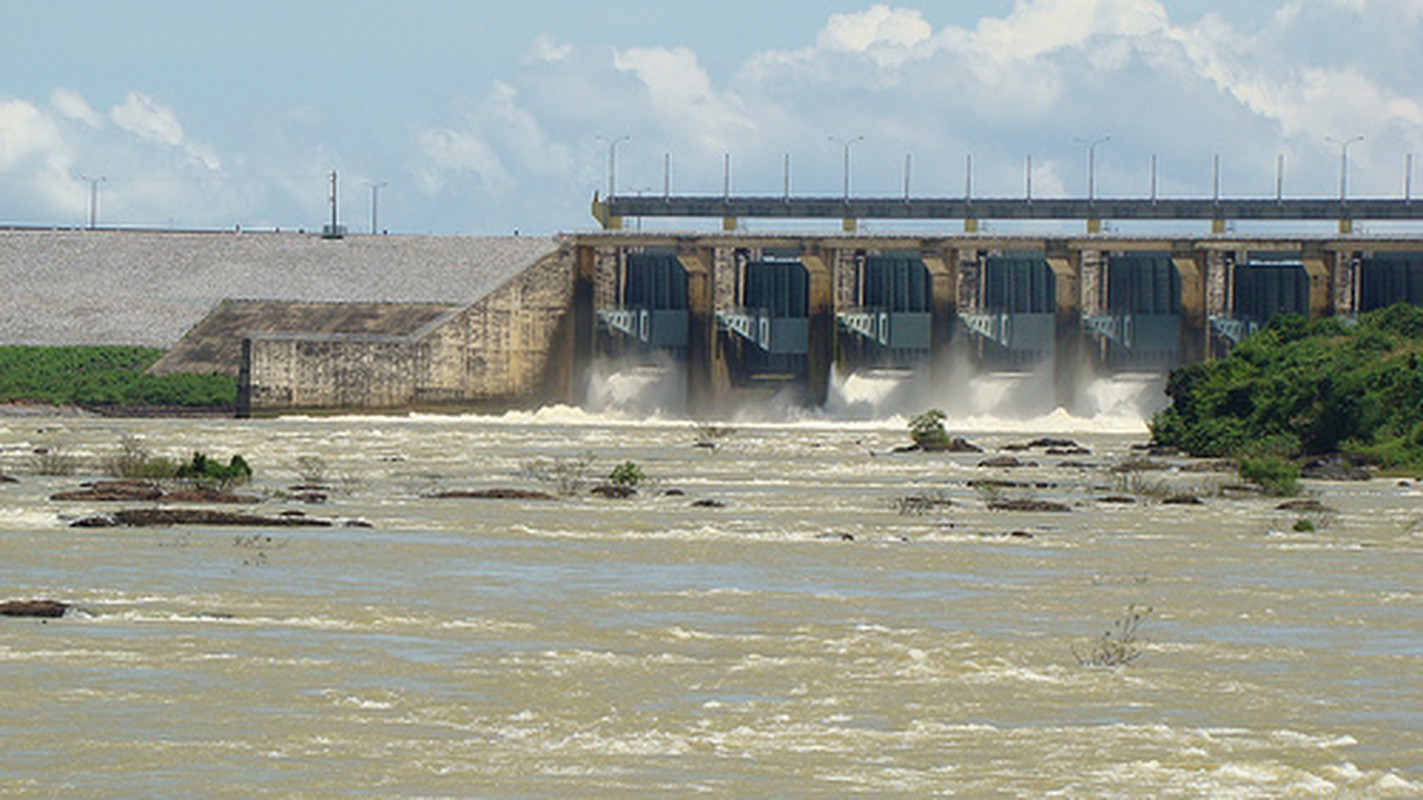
pixel 93 198
pixel 613 163
pixel 375 188
pixel 1092 164
pixel 1343 163
pixel 846 144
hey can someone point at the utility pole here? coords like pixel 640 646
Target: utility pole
pixel 1344 163
pixel 1092 164
pixel 375 188
pixel 334 230
pixel 94 199
pixel 845 145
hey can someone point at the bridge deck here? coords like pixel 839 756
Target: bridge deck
pixel 1014 208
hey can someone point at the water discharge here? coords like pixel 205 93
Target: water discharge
pixel 808 633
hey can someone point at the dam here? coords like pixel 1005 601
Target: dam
pixel 429 322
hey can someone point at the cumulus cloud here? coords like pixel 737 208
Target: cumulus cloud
pixel 148 119
pixel 448 150
pixel 71 104
pixel 1165 79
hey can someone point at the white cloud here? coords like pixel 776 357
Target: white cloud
pixel 145 117
pixel 148 119
pixel 547 48
pixel 887 36
pixel 73 105
pixel 448 150
pixel 1180 84
pixel 681 99
pixel 36 160
pixel 525 136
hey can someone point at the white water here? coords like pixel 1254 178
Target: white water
pixel 993 401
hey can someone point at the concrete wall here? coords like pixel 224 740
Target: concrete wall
pixel 507 348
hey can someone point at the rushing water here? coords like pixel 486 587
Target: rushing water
pixel 811 637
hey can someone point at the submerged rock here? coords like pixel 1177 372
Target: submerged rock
pixel 613 491
pixel 1334 469
pixel 209 496
pixel 957 444
pixel 33 608
pixel 1182 500
pixel 491 494
pixel 95 521
pixel 112 492
pixel 1117 498
pixel 1304 505
pixel 1028 505
pixel 708 503
pixel 7 479
pixel 143 491
pixel 162 517
pixel 1006 462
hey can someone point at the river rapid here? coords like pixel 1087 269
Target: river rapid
pixel 815 635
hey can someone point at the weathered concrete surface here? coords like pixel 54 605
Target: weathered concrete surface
pixel 214 345
pixel 65 287
pixel 506 347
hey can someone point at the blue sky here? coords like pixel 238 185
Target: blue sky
pixel 490 116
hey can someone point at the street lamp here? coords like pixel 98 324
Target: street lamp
pixel 846 143
pixel 1343 162
pixel 1092 163
pixel 613 163
pixel 93 198
pixel 375 201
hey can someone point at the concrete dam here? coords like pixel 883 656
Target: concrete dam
pixel 424 322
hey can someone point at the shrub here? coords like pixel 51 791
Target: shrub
pixel 311 470
pixel 1277 476
pixel 206 473
pixel 54 461
pixel 927 429
pixel 626 474
pixel 135 461
pixel 566 475
pixel 1118 646
pixel 710 436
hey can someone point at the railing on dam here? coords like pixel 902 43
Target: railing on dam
pixel 888 208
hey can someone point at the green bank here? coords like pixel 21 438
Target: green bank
pixel 105 377
pixel 1301 388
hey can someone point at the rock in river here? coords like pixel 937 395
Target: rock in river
pixel 158 517
pixel 33 608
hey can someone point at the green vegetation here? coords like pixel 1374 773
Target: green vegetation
pixel 104 376
pixel 1279 477
pixel 207 473
pixel 1302 388
pixel 626 474
pixel 927 430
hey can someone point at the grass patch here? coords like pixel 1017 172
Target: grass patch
pixel 105 376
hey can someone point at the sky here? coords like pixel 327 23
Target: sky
pixel 495 116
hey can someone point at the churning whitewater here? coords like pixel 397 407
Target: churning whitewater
pixel 786 607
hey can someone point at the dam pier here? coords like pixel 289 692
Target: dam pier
pixel 741 312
